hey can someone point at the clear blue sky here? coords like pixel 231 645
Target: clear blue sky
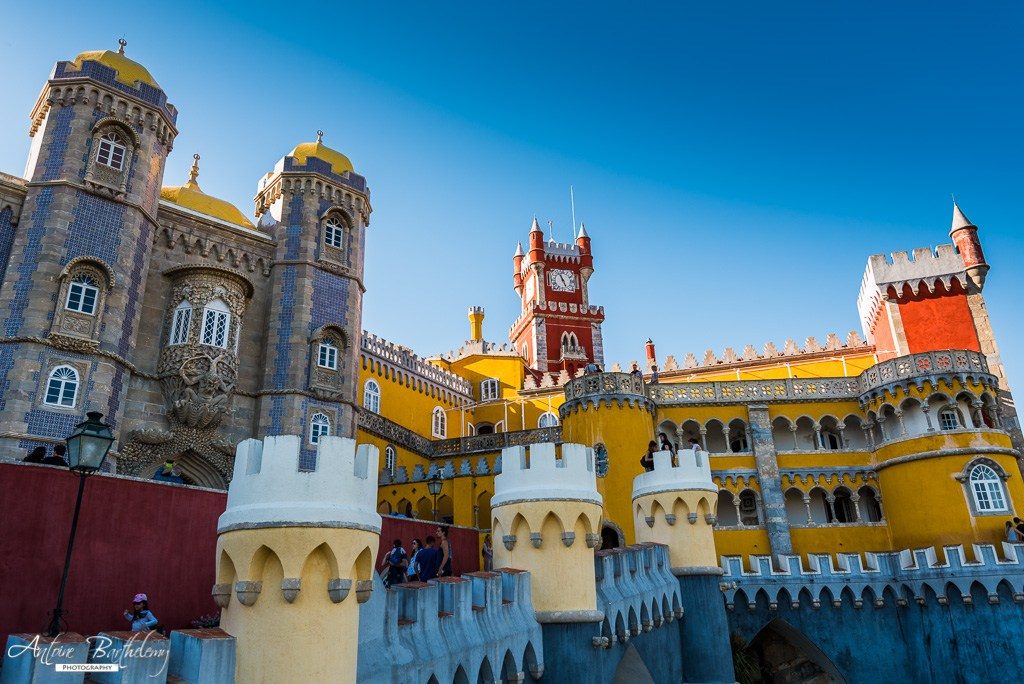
pixel 735 163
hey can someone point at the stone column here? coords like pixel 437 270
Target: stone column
pixel 767 464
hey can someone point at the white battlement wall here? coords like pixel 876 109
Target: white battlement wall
pixel 539 475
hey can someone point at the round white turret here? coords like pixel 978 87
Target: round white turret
pixel 675 505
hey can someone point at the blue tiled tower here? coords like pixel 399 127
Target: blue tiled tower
pixel 78 258
pixel 317 208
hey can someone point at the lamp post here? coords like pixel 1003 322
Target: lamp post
pixel 88 447
pixel 434 485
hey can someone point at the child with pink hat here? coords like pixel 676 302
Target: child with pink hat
pixel 141 616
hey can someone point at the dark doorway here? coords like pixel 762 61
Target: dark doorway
pixel 781 653
pixel 610 538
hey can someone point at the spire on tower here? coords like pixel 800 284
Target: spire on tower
pixel 519 249
pixel 959 220
pixel 583 232
pixel 193 173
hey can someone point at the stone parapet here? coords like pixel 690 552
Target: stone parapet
pixel 692 471
pixel 269 490
pixel 910 575
pixel 636 591
pixel 478 627
pixel 538 475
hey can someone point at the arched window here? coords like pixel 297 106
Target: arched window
pixel 319 426
pixel 548 419
pixel 371 396
pixel 83 293
pixel 489 389
pixel 62 387
pixel 949 419
pixel 390 458
pixel 334 233
pixel 748 508
pixel 111 151
pixel 439 423
pixel 327 357
pixel 987 489
pixel 216 324
pixel 181 323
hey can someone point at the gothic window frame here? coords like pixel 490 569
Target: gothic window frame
pixel 181 324
pixel 112 150
pixel 490 389
pixel 320 425
pixel 327 354
pixel 390 459
pixel 965 477
pixel 325 381
pixel 336 230
pixel 75 323
pixel 109 134
pixel 215 330
pixel 438 423
pixel 66 371
pixel 949 418
pixel 371 396
pixel 551 422
pixel 82 287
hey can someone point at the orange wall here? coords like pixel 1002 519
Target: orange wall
pixel 938 322
pixel 884 344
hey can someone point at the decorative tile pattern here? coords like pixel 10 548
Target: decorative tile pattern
pixel 97 229
pixel 330 300
pixel 6 239
pixel 108 77
pixel 284 327
pixel 58 143
pixel 27 268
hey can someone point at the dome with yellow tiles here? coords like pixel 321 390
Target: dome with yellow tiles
pixel 128 71
pixel 339 162
pixel 191 196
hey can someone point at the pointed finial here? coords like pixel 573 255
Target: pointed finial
pixel 519 249
pixel 121 42
pixel 536 226
pixel 583 232
pixel 319 137
pixel 959 220
pixel 193 173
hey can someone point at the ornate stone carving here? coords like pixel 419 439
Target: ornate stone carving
pixel 197 382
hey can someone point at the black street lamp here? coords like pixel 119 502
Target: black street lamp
pixel 88 447
pixel 434 485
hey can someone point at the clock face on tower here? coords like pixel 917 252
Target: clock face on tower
pixel 562 280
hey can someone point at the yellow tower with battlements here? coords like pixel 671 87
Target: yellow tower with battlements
pixel 675 505
pixel 295 557
pixel 546 512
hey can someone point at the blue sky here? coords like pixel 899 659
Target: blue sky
pixel 735 163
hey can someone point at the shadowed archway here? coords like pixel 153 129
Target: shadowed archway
pixel 783 653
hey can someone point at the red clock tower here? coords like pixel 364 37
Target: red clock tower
pixel 557 328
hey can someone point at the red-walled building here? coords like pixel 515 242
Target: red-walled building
pixel 558 328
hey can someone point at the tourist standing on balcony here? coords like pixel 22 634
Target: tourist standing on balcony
pixel 654 376
pixel 488 553
pixel 1012 535
pixel 636 372
pixel 57 458
pixel 665 444
pixel 1019 524
pixel 647 460
pixel 37 455
pixel 395 563
pixel 412 573
pixel 428 560
pixel 446 552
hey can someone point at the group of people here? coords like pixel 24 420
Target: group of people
pixel 1015 531
pixel 663 444
pixel 427 561
pixel 39 455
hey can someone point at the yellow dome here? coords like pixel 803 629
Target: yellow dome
pixel 128 72
pixel 191 196
pixel 339 162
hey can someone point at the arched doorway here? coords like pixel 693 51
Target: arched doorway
pixel 611 536
pixel 784 654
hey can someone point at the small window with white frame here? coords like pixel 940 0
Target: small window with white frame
pixel 112 151
pixel 62 387
pixel 371 396
pixel 181 323
pixel 334 233
pixel 390 459
pixel 327 355
pixel 547 419
pixel 216 324
pixel 83 293
pixel 987 489
pixel 949 419
pixel 319 426
pixel 439 423
pixel 489 389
